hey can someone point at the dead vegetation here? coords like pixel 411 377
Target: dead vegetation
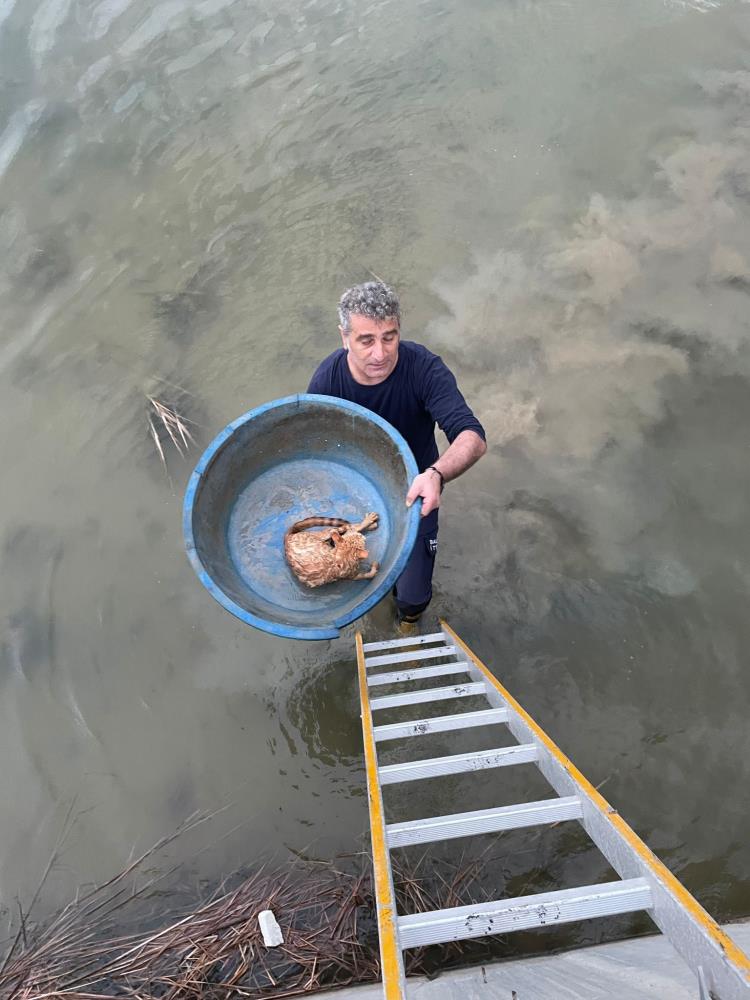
pixel 109 943
pixel 168 426
pixel 171 424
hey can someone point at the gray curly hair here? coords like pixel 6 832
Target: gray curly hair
pixel 374 299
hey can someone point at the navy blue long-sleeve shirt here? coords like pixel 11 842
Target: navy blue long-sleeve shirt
pixel 420 392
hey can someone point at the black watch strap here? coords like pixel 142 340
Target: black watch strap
pixel 440 474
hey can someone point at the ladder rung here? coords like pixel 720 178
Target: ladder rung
pixel 524 912
pixel 418 640
pixel 418 654
pixel 430 694
pixel 477 760
pixel 441 724
pixel 470 824
pixel 400 676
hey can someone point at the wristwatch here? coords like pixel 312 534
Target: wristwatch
pixel 431 468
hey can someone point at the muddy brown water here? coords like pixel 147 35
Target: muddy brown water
pixel 560 191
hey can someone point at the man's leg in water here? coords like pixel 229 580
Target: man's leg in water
pixel 413 590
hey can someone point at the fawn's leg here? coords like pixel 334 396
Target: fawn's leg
pixel 334 535
pixel 369 574
pixel 368 523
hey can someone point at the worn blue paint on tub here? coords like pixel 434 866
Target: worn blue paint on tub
pixel 286 460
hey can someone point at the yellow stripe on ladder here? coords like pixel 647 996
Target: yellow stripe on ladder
pixel 391 960
pixel 736 959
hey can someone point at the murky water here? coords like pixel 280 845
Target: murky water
pixel 561 193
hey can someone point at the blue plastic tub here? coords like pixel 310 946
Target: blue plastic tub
pixel 289 459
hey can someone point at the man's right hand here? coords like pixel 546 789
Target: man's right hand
pixel 427 486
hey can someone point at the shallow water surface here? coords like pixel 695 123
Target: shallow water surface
pixel 560 192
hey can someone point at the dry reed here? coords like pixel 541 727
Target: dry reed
pixel 214 950
pixel 166 424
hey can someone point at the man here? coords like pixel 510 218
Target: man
pixel 413 390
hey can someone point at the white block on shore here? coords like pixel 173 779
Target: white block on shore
pixel 269 928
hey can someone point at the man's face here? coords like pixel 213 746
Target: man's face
pixel 372 346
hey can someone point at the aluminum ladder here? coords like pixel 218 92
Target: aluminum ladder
pixel 721 968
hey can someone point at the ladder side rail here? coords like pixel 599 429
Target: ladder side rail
pixel 391 954
pixel 693 933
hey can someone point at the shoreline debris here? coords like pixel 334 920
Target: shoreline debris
pixel 269 928
pixel 132 943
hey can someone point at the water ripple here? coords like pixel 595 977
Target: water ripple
pixel 20 124
pixel 209 7
pixel 6 9
pixel 154 25
pixel 104 16
pixel 47 21
pixel 199 53
pixel 93 74
pixel 129 98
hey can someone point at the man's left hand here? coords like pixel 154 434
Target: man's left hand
pixel 427 486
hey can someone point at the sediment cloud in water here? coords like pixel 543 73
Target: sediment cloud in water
pixel 577 348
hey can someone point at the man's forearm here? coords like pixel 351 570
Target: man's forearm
pixel 467 449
